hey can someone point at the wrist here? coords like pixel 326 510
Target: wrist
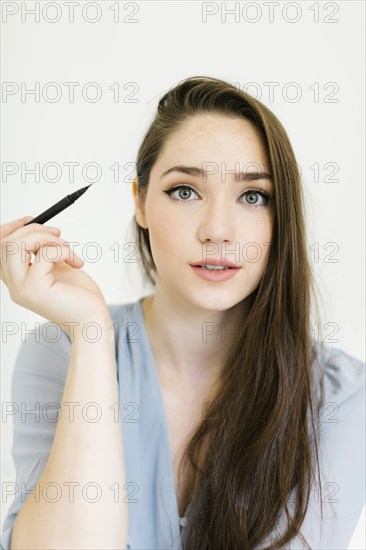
pixel 93 330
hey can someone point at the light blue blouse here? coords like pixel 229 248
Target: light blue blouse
pixel 154 523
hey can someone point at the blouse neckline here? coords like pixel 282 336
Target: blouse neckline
pixel 161 406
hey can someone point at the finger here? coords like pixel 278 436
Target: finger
pixel 17 229
pixel 16 255
pixel 8 228
pixel 46 257
pixel 75 261
pixel 32 228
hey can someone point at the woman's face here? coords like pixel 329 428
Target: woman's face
pixel 215 216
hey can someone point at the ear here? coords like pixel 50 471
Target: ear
pixel 139 209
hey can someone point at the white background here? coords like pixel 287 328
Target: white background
pixel 167 42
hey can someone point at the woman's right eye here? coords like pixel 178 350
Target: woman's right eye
pixel 178 188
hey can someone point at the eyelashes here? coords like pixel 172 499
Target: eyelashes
pixel 253 191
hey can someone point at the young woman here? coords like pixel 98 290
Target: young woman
pixel 235 428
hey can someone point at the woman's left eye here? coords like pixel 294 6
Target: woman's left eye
pixel 251 193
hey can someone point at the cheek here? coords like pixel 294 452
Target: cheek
pixel 255 239
pixel 166 237
pixel 254 257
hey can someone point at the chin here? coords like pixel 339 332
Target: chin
pixel 216 299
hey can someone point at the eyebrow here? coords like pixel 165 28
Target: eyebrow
pixel 238 176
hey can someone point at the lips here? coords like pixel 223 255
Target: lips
pixel 216 263
pixel 214 275
pixel 203 266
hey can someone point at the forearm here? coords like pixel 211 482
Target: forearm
pixel 83 451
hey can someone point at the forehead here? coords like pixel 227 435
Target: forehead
pixel 210 137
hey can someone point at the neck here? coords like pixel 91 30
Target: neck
pixel 190 343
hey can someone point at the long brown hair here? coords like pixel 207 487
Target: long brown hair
pixel 262 424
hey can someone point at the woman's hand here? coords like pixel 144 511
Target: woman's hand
pixel 53 285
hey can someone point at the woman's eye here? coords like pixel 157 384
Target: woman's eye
pixel 182 195
pixel 251 200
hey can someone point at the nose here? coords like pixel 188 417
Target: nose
pixel 217 223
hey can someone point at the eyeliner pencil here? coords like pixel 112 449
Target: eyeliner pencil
pixel 58 207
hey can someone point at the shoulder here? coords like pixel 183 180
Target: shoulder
pixel 126 312
pixel 46 349
pixel 343 373
pixel 342 429
pixel 341 452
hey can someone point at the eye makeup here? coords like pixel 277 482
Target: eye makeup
pixel 266 196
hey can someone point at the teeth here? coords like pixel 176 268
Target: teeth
pixel 213 267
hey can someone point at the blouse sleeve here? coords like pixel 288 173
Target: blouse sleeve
pixel 341 454
pixel 36 392
pixel 341 458
pixel 37 389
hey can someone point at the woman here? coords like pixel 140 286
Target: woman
pixel 228 389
